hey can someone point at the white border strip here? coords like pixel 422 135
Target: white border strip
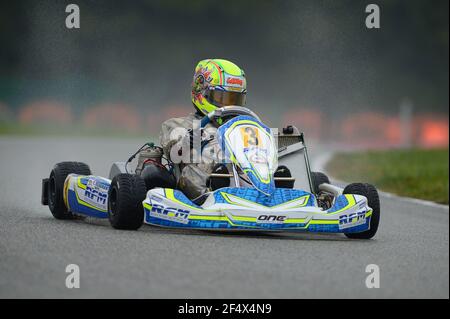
pixel 415 200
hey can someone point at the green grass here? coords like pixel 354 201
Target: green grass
pixel 414 173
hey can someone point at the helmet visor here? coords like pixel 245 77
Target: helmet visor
pixel 225 98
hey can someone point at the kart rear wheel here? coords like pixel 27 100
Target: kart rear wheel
pixel 125 197
pixel 317 179
pixel 56 186
pixel 373 199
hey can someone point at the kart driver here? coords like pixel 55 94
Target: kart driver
pixel 216 83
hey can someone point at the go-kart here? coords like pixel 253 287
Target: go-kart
pixel 263 183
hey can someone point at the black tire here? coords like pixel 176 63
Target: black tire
pixel 317 179
pixel 56 186
pixel 125 198
pixel 371 193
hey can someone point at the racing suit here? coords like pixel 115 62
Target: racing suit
pixel 194 174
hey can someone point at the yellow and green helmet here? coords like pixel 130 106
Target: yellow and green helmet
pixel 218 83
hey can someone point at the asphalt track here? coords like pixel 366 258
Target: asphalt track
pixel 411 247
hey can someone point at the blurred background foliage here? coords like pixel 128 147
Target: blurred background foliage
pixel 314 55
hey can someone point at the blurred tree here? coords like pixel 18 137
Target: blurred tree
pixel 315 54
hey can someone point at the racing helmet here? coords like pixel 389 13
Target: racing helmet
pixel 217 83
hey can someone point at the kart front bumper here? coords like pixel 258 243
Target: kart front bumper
pixel 170 208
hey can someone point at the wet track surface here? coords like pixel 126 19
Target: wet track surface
pixel 411 247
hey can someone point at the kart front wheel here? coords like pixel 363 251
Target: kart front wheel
pixel 55 186
pixel 125 197
pixel 317 179
pixel 371 193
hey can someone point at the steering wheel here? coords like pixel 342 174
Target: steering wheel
pixel 226 113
